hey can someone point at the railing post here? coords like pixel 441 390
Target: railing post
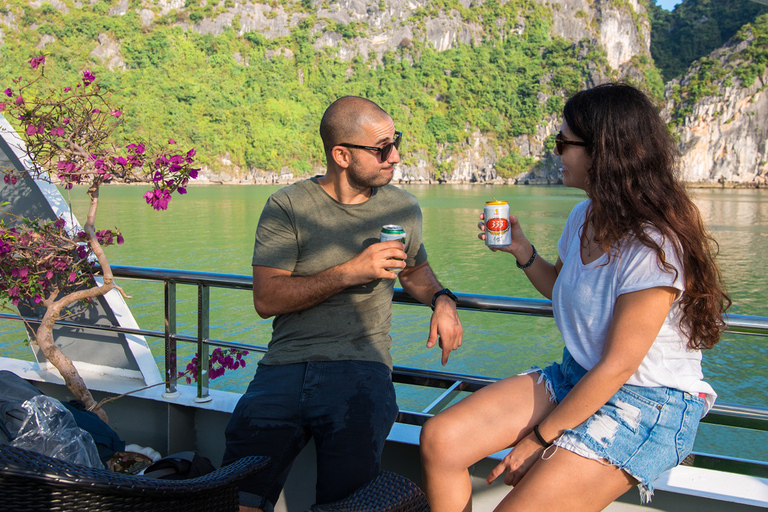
pixel 171 370
pixel 203 357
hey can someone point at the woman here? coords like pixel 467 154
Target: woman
pixel 636 295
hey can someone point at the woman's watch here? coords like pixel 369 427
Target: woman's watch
pixel 444 291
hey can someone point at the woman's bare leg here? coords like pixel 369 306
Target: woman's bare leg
pixel 487 421
pixel 567 482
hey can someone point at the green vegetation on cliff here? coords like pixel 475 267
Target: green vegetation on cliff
pixel 256 102
pixel 742 64
pixel 694 29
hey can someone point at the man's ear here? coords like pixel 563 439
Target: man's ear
pixel 341 156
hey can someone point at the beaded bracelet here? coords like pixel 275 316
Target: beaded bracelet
pixel 530 261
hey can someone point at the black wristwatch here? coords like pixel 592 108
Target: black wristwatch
pixel 444 291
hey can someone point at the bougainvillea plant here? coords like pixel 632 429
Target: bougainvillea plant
pixel 69 136
pixel 222 359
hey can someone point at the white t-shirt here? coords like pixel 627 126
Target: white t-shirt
pixel 584 297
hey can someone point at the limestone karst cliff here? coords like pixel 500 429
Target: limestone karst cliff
pixel 720 130
pixel 723 132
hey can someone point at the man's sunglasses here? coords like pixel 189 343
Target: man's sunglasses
pixel 385 150
pixel 561 141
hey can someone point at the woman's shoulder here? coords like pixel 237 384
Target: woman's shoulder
pixel 581 208
pixel 577 216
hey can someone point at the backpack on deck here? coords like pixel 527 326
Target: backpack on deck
pixel 14 391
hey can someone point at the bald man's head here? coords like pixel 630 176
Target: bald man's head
pixel 343 120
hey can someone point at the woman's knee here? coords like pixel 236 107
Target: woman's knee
pixel 435 437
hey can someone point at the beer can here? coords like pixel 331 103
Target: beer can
pixel 497 230
pixel 392 232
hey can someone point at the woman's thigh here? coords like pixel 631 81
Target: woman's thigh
pixel 565 481
pixel 490 419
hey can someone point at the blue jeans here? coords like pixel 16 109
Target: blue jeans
pixel 347 407
pixel 642 430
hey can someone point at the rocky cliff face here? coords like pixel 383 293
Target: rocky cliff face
pixel 619 27
pixel 723 137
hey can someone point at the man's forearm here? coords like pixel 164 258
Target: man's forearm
pixel 279 293
pixel 420 282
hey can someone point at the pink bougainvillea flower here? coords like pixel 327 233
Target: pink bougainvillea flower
pixel 37 299
pixel 88 77
pixel 8 92
pixel 31 130
pixel 136 148
pixel 171 141
pixel 66 121
pixel 57 132
pixel 120 239
pixel 181 190
pixel 72 277
pixel 193 173
pixel 158 199
pixel 67 89
pixel 49 274
pixel 2 106
pixel 115 113
pixel 13 291
pixel 36 61
pixel 95 111
pixel 23 272
pixel 19 101
pixel 15 302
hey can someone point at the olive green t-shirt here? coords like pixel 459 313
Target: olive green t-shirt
pixel 305 231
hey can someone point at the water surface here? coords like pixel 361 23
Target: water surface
pixel 211 229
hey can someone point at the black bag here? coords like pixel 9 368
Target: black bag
pixel 180 466
pixel 14 391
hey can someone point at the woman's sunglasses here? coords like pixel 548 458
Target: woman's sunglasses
pixel 561 142
pixel 385 150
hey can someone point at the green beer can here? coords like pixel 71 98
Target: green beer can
pixel 392 232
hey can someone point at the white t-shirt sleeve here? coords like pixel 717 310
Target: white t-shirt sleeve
pixel 640 269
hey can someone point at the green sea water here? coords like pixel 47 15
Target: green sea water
pixel 211 229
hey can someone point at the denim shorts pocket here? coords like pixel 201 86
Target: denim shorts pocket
pixel 686 436
pixel 631 409
pixel 643 397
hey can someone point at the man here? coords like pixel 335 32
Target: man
pixel 320 270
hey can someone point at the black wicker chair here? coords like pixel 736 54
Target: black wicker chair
pixel 388 492
pixel 31 482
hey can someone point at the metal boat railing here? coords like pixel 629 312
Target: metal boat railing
pixel 755 418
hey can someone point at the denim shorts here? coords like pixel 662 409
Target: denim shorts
pixel 347 407
pixel 642 430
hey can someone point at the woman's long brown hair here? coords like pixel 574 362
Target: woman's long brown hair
pixel 632 185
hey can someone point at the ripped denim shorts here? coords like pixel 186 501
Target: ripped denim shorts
pixel 642 430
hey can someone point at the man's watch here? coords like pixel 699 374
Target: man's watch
pixel 444 291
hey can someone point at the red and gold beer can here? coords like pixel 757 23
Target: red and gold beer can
pixel 497 230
